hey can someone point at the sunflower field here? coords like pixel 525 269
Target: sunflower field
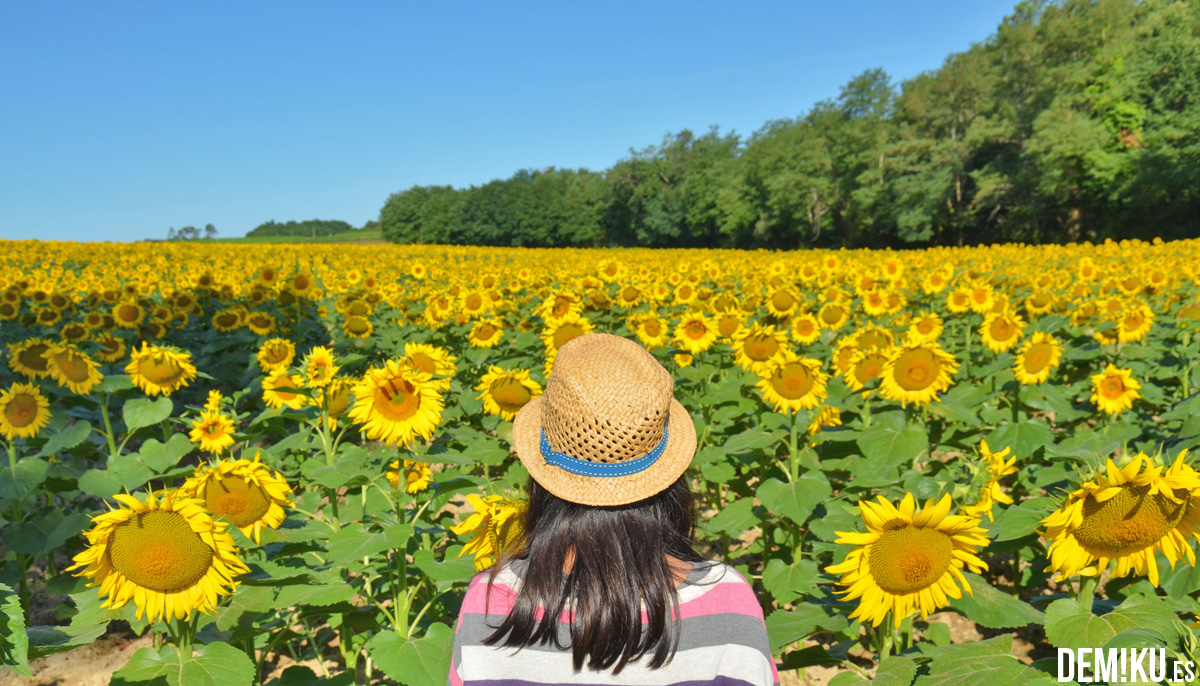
pixel 285 463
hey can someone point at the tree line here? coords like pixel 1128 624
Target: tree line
pixel 1076 120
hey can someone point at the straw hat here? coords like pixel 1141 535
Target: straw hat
pixel 608 430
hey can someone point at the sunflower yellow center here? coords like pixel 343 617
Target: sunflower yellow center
pixel 804 327
pixel 235 499
pixel 727 325
pixel 960 299
pixel 397 400
pixel 869 367
pixel 782 300
pixel 21 410
pixel 909 559
pixel 979 295
pixel 1037 358
pixel 761 347
pixel 473 301
pixel 160 370
pixel 1002 330
pixel 1133 321
pixel 925 326
pixel 1129 521
pixel 565 333
pixel 652 327
pixel 509 393
pixel 695 330
pixel 159 551
pixel 32 357
pixel 916 370
pixel 685 292
pixel 793 381
pixel 1111 387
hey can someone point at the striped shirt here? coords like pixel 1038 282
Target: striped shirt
pixel 722 642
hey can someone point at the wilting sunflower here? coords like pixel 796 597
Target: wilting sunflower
pixel 28 357
pixel 1126 515
pixel 908 560
pixel 486 333
pixel 504 392
pixel 358 327
pixel 72 368
pixel 319 367
pixel 695 333
pixel 167 555
pixel 917 373
pixel 24 411
pixel 112 348
pixel 212 431
pixel 805 328
pixel 1001 330
pixel 431 360
pixel 559 331
pixel 339 393
pixel 160 369
pixel 281 390
pixel 396 404
pixel 793 384
pixel 756 347
pixel 995 467
pixel 1114 390
pixel 246 494
pixel 276 353
pixel 417 476
pixel 1038 357
pixel 496 526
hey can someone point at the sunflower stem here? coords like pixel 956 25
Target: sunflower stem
pixel 1087 592
pixel 108 430
pixel 793 453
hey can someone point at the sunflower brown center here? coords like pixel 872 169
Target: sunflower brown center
pixel 242 503
pixel 565 333
pixel 804 327
pixel 1112 388
pixel 485 332
pixel 160 370
pixel 695 330
pixel 158 550
pixel 33 357
pixel 74 367
pixel 760 347
pixel 21 410
pixel 869 367
pixel 1002 330
pixel 925 326
pixel 793 381
pixel 630 293
pixel 473 301
pixel 652 327
pixel 831 314
pixel 910 558
pixel 1037 358
pixel 226 319
pixel 358 325
pixel 916 370
pixel 423 363
pixel 873 339
pixel 128 313
pixel 782 300
pixel 1128 521
pixel 509 393
pixel 727 325
pixel 397 400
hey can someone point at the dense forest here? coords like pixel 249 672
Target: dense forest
pixel 311 228
pixel 1075 120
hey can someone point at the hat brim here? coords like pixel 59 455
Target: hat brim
pixel 598 490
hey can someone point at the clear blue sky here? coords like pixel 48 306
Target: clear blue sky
pixel 120 120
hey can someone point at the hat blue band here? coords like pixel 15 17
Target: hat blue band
pixel 606 469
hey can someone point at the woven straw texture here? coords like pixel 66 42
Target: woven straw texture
pixel 607 400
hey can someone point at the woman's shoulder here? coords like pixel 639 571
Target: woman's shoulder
pixel 715 587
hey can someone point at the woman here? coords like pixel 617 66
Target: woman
pixel 605 586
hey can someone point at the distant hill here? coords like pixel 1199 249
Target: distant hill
pixel 311 228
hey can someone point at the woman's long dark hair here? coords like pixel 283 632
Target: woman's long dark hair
pixel 619 563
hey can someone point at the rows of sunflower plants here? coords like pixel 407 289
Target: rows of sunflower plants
pixel 283 464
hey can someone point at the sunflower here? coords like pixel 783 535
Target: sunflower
pixel 865 366
pixel 695 333
pixel 506 392
pixel 212 431
pixel 959 300
pixel 559 331
pixel 397 404
pixel 160 369
pixel 926 327
pixel 358 327
pixel 24 411
pixel 245 493
pixel 1114 390
pixel 833 315
pixel 72 368
pixel 74 332
pixel 416 476
pixel 793 384
pixel 783 302
pixel 917 373
pixel 319 367
pixel 1001 331
pixel 650 330
pixel 982 298
pixel 1126 515
pixel 226 321
pixel 908 560
pixel 28 357
pixel 167 555
pixel 629 295
pixel 827 416
pixel 997 467
pixel 280 390
pixel 339 391
pixel 128 315
pixel 261 323
pixel 1134 323
pixel 805 328
pixel 496 527
pixel 486 333
pixel 756 347
pixel 874 338
pixel 1038 357
pixel 728 324
pixel 431 360
pixel 276 353
pixel 111 349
